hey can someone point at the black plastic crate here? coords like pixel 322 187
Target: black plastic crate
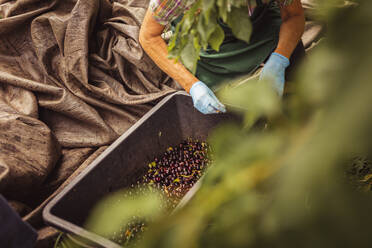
pixel 171 121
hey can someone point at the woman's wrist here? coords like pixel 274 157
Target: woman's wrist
pixel 187 86
pixel 284 52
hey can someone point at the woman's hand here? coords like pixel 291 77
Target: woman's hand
pixel 274 71
pixel 204 99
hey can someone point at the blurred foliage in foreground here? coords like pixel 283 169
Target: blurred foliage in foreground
pixel 287 185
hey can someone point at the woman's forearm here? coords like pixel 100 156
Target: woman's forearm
pixel 291 29
pixel 156 48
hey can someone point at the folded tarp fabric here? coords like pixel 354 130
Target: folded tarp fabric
pixel 72 75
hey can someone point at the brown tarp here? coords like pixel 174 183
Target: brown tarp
pixel 72 75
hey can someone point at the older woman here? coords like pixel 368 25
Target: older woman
pixel 277 30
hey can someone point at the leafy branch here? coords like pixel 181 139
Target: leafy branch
pixel 199 28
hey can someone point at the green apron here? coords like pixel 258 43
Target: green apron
pixel 237 58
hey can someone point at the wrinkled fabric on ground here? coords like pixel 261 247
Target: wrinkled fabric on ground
pixel 72 75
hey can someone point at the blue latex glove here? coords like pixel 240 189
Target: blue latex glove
pixel 204 99
pixel 274 71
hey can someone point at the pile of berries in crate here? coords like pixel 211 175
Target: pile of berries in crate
pixel 174 174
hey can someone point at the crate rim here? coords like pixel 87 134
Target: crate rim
pixel 55 221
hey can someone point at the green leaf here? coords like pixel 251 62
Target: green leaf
pixel 222 9
pixel 255 98
pixel 173 42
pixel 187 23
pixel 239 21
pixel 190 55
pixel 199 28
pixel 208 6
pixel 217 38
pixel 118 209
pixel 206 29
